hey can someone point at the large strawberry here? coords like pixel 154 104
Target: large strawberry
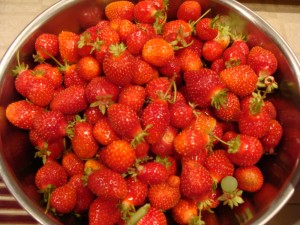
pixel 118 65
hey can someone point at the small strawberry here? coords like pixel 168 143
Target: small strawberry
pixel 50 72
pixel 118 65
pixel 63 199
pixel 185 211
pixel 72 163
pixel 206 28
pixel 68 48
pixel 107 184
pixel 71 77
pixel 49 150
pixel 273 136
pixel 241 79
pixel 119 10
pixel 172 68
pixel 189 11
pixel 92 115
pixel 165 146
pixel 119 156
pixel 88 68
pixel 45 44
pixel 136 40
pixel 189 60
pixel 23 78
pixel 22 113
pixel 133 96
pixel 103 132
pixel 152 172
pixel 218 65
pixel 242 45
pixel 149 215
pixel 103 212
pixel 147 12
pixel 234 56
pixel 249 178
pixel 71 100
pixel 212 50
pixel 181 114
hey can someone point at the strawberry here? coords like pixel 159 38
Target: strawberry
pixel 273 136
pixel 165 146
pixel 88 68
pixel 244 150
pixel 71 100
pixel 22 113
pixel 118 156
pixel 101 93
pixel 50 72
pixel 133 96
pixel 71 77
pixel 125 122
pixel 147 12
pixel 143 72
pixel 155 119
pixel 181 114
pixel 92 165
pixel 185 211
pixel 209 201
pixel 92 115
pixel 89 16
pixel 171 69
pixel 119 10
pixel 136 40
pixel 63 199
pixel 205 88
pixel 103 132
pixel 118 65
pixel 83 142
pixel 206 28
pixel 271 109
pixel 219 166
pixel 212 50
pixel 250 178
pixel 195 179
pixel 189 11
pixel 23 78
pixel 189 60
pixel 142 150
pixel 45 44
pixel 49 150
pixel 165 195
pixel 107 36
pixel 149 215
pixel 72 163
pixel 152 173
pixel 241 79
pixel 68 48
pixel 157 52
pixel 242 45
pixel 84 195
pixel 125 28
pixel 50 125
pixel 103 212
pixel 107 184
pixel 262 61
pixel 218 65
pixel 157 88
pixel 234 56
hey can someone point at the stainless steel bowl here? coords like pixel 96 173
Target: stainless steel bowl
pixel 282 171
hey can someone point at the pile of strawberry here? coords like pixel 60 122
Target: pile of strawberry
pixel 138 115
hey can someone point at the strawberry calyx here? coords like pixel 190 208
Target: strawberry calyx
pixel 219 99
pixel 42 152
pixel 192 24
pixel 127 209
pixel 20 67
pixel 71 125
pixel 103 102
pixel 140 137
pixel 46 196
pixel 85 40
pixel 138 215
pixel 117 49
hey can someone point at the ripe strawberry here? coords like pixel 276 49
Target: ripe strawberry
pixel 155 120
pixel 142 150
pixel 172 68
pixel 185 211
pixel 101 93
pixel 204 122
pixel 241 80
pixel 133 96
pixel 273 136
pixel 240 43
pixel 195 179
pixel 92 165
pixel 88 68
pixel 103 132
pixel 209 201
pixel 262 61
pixel 103 212
pixel 218 65
pixel 189 11
pixel 50 72
pixel 45 44
pixel 212 50
pixel 165 146
pixel 72 163
pixel 107 36
pixel 119 10
pixel 157 52
pixel 181 114
pixel 92 115
pixel 22 113
pixel 165 195
pixel 143 72
pixel 151 215
pixel 118 156
pixel 272 111
pixel 107 184
pixel 157 88
pixel 189 60
pixel 51 173
pixel 84 195
pixel 152 173
pixel 206 28
pixel 125 122
pixel 49 150
pixel 68 48
pixel 50 125
pixel 136 40
pixel 234 56
pixel 250 178
pixel 23 79
pixel 71 100
pixel 205 88
pixel 219 165
pixel 118 65
pixel 244 150
pixel 71 77
pixel 83 142
pixel 147 12
pixel 63 199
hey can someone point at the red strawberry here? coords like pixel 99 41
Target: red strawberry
pixel 88 68
pixel 133 96
pixel 209 201
pixel 92 115
pixel 125 122
pixel 63 199
pixel 185 211
pixel 118 65
pixel 45 45
pixel 165 146
pixel 71 100
pixel 51 149
pixel 212 50
pixel 107 184
pixel 273 136
pixel 241 80
pixel 118 156
pixel 181 114
pixel 107 36
pixel 22 113
pixel 195 179
pixel 249 178
pixel 152 173
pixel 172 68
pixel 234 56
pixel 103 132
pixel 157 88
pixel 72 163
pixel 71 77
pixel 206 28
pixel 205 88
pixel 119 10
pixel 189 11
pixel 50 72
pixel 189 60
pixel 244 150
pixel 68 48
pixel 136 40
pixel 218 65
pixel 242 45
pixel 147 12
pixel 143 72
pixel 150 215
pixel 23 79
pixel 262 61
pixel 103 212
pixel 84 195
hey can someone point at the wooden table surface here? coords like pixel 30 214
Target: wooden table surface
pixel 283 16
